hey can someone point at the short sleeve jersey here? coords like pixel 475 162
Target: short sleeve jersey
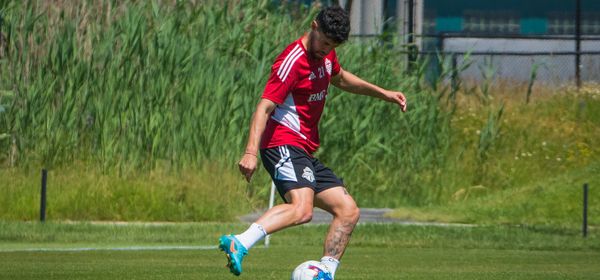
pixel 298 84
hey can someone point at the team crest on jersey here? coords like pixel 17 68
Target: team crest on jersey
pixel 328 66
pixel 312 76
pixel 308 175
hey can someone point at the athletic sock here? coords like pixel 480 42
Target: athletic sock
pixel 252 235
pixel 331 263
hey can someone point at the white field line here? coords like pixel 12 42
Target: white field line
pixel 131 248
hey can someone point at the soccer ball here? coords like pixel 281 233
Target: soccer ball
pixel 311 270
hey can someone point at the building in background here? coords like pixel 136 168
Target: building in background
pixel 510 17
pixel 512 38
pixel 370 18
pixel 509 38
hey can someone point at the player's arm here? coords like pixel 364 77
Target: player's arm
pixel 353 84
pixel 248 163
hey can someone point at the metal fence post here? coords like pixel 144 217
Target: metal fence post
pixel 578 43
pixel 43 196
pixel 585 209
pixel 271 202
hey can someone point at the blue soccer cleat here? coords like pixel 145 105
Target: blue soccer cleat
pixel 234 251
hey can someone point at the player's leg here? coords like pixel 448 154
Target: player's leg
pixel 332 196
pixel 342 206
pixel 297 211
pixel 286 165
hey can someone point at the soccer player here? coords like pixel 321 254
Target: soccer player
pixel 284 129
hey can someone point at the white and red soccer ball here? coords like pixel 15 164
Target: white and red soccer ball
pixel 311 270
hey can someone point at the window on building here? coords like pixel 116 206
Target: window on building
pixel 563 23
pixel 491 22
pixel 429 22
pixel 590 23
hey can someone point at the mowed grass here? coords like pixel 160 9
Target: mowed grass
pixel 277 262
pixel 379 251
pixel 557 201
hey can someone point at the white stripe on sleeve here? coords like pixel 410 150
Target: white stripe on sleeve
pixel 288 62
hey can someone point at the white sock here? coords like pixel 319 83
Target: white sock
pixel 331 263
pixel 252 235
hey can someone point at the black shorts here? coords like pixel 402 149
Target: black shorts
pixel 291 168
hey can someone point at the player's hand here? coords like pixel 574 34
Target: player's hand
pixel 396 97
pixel 248 165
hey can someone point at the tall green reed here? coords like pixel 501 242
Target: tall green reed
pixel 532 78
pixel 134 86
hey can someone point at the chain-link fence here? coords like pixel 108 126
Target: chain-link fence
pixel 548 59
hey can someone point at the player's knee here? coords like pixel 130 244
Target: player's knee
pixel 351 214
pixel 355 214
pixel 303 215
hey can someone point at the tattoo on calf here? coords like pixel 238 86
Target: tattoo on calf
pixel 336 244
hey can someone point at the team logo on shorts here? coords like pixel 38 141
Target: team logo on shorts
pixel 328 66
pixel 308 175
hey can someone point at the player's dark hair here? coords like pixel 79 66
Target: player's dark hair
pixel 334 23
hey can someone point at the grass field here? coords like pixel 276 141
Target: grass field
pixel 377 252
pixel 277 263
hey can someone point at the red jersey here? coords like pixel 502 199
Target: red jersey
pixel 298 84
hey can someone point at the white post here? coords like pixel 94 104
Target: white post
pixel 271 202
